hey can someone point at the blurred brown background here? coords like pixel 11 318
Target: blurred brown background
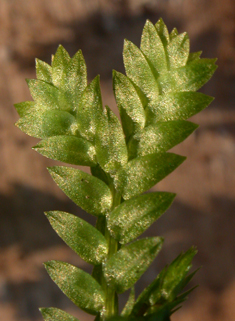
pixel 203 213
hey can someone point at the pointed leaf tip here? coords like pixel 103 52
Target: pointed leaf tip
pixel 79 286
pixel 54 314
pixel 143 172
pixel 80 236
pixel 87 191
pixel 126 266
pixel 132 217
pixel 68 149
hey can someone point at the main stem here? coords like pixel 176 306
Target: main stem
pixel 111 304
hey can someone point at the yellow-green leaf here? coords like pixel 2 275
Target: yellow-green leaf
pixel 79 286
pixel 88 192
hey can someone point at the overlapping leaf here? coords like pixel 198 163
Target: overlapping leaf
pixel 54 314
pixel 80 236
pixel 131 218
pixel 144 172
pixel 163 291
pixel 159 137
pixel 68 149
pixel 126 266
pixel 88 192
pixel 79 286
pixel 130 104
pixel 164 77
pixel 110 143
pixel 155 98
pixel 129 304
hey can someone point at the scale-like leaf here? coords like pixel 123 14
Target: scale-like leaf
pixel 171 283
pixel 43 71
pixel 90 109
pixel 160 137
pixel 162 32
pixel 54 314
pixel 139 71
pixel 46 95
pixel 142 302
pixel 126 266
pixel 130 105
pixel 110 143
pixel 131 218
pixel 129 304
pixel 174 33
pixel 142 173
pixel 87 191
pixel 79 286
pixel 194 56
pixel 82 237
pixel 178 51
pixel 155 99
pixel 68 149
pixel 46 124
pixel 153 48
pixel 177 106
pixel 188 78
pixel 60 65
pixel 25 108
pixel 162 293
pixel 77 76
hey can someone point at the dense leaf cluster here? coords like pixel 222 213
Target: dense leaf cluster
pixel 127 158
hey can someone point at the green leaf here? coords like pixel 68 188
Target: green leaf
pixel 162 293
pixel 47 123
pixel 194 56
pixel 131 218
pixel 82 237
pixel 126 266
pixel 59 67
pixel 68 149
pixel 79 286
pixel 177 106
pixel 25 108
pixel 143 172
pixel 174 33
pixel 43 71
pixel 162 31
pixel 110 143
pixel 90 109
pixel 129 103
pixel 139 71
pixel 170 285
pixel 152 47
pixel 160 137
pixel 129 304
pixel 185 282
pixel 87 191
pixel 49 97
pixel 54 314
pixel 46 95
pixel 178 51
pixel 188 78
pixel 142 303
pixel 77 76
pixel 161 313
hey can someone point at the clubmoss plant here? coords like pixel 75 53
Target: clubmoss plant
pixel 155 98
